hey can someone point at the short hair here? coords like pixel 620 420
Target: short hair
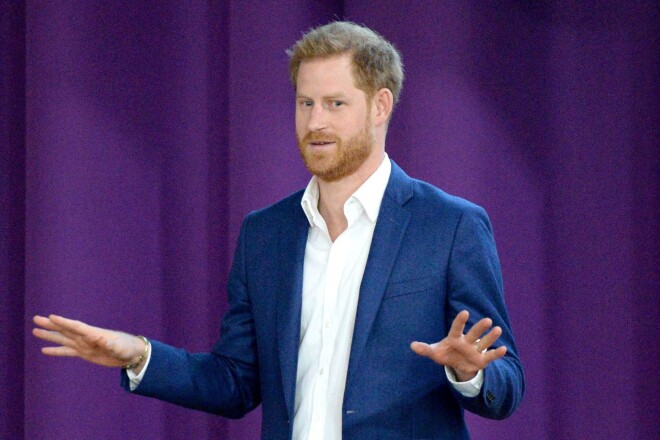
pixel 376 62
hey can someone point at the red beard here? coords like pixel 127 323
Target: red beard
pixel 345 159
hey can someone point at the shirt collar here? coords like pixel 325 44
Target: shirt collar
pixel 369 194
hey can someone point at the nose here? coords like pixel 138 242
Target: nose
pixel 317 119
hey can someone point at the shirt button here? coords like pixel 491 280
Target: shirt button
pixel 321 371
pixel 328 324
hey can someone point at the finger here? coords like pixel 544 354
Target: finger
pixel 48 324
pixel 44 322
pixel 60 351
pixel 478 329
pixel 38 319
pixel 490 338
pixel 495 354
pixel 71 325
pixel 458 325
pixel 422 349
pixel 52 336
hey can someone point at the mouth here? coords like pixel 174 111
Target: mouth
pixel 320 143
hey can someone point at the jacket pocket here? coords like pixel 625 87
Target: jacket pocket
pixel 409 287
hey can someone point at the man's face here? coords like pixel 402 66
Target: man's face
pixel 333 124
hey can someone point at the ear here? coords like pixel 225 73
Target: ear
pixel 382 104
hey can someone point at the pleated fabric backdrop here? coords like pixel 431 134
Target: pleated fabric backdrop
pixel 136 136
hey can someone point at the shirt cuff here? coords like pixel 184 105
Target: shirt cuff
pixel 471 388
pixel 135 379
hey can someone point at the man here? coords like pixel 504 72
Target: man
pixel 331 286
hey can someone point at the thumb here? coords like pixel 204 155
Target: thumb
pixel 421 349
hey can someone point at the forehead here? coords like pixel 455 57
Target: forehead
pixel 329 73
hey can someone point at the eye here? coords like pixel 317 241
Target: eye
pixel 306 103
pixel 337 103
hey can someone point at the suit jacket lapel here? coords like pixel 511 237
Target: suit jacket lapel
pixel 388 235
pixel 292 241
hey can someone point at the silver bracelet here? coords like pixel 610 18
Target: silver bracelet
pixel 142 356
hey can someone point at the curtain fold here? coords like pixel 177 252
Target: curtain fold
pixel 12 218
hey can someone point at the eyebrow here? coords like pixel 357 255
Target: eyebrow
pixel 326 97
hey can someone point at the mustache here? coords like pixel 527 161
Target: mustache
pixel 319 137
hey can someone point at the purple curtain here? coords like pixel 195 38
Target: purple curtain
pixel 136 135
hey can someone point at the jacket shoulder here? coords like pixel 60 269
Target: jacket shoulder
pixel 287 211
pixel 432 199
pixel 421 197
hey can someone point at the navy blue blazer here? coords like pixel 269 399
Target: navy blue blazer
pixel 432 255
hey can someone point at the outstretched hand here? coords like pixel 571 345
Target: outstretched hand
pixel 97 345
pixel 466 353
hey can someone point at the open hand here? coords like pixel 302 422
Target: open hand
pixel 466 353
pixel 97 345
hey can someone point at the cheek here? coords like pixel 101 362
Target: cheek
pixel 352 128
pixel 300 123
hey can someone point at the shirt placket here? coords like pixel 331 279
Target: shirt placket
pixel 337 260
pixel 330 291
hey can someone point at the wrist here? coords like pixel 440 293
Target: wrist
pixel 462 376
pixel 138 362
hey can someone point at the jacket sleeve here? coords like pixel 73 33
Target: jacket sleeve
pixel 475 284
pixel 224 381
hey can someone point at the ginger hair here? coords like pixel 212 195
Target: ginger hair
pixel 376 62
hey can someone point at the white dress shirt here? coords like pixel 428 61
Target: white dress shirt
pixel 331 286
pixel 332 276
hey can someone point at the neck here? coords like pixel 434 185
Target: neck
pixel 333 195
